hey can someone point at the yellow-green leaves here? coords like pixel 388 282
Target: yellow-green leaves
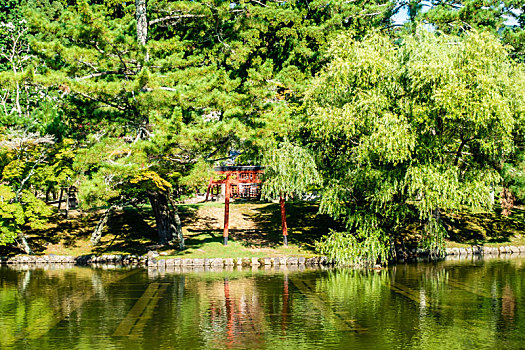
pixel 149 177
pixel 11 215
pixel 31 212
pixel 404 131
pixel 432 186
pixel 27 160
pixel 391 141
pixel 13 170
pixel 199 176
pixel 9 209
pixel 289 169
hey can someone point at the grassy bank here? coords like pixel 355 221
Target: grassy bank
pixel 255 231
pixel 488 229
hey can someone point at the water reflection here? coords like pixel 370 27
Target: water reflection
pixel 465 303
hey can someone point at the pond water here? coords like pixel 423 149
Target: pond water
pixel 458 304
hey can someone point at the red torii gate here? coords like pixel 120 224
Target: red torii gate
pixel 242 181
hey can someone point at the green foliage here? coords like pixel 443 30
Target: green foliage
pixel 354 249
pixel 227 71
pixel 433 237
pixel 10 17
pixel 150 178
pixel 11 216
pixel 199 176
pixel 504 18
pixel 513 172
pixel 30 212
pixel 36 211
pixel 29 160
pixel 289 169
pixel 102 168
pixel 211 77
pixel 406 130
pixel 395 131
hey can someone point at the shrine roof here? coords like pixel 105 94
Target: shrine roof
pixel 238 168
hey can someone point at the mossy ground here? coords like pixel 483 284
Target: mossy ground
pixel 489 229
pixel 255 231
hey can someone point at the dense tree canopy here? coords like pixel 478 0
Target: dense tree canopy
pixel 136 101
pixel 153 91
pixel 505 18
pixel 406 130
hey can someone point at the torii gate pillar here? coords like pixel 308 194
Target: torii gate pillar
pixel 226 209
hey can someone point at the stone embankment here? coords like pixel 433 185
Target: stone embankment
pixel 481 250
pixel 152 259
pixel 244 262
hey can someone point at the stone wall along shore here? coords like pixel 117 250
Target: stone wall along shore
pixel 152 259
pixel 481 250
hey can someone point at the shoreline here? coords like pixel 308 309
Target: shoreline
pixel 152 259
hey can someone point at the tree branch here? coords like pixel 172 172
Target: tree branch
pixel 90 65
pixel 169 18
pixel 260 3
pixel 31 173
pixel 221 144
pixel 98 74
pixel 102 101
pixel 165 88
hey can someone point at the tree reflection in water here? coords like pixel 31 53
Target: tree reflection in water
pixel 459 303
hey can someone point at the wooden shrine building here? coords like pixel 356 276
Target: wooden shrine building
pixel 244 180
pixel 240 181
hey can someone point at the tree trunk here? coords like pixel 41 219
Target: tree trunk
pixel 60 199
pixel 67 203
pixel 24 244
pixel 178 225
pixel 506 199
pixel 142 23
pixel 97 234
pixel 163 216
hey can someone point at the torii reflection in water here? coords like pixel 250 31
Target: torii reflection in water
pixel 241 315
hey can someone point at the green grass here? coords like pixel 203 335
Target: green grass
pixel 203 247
pixel 260 234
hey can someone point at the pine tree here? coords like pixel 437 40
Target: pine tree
pixel 504 18
pixel 153 88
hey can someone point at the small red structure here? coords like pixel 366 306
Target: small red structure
pixel 242 181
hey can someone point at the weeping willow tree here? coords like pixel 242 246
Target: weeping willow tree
pixel 289 170
pixel 405 131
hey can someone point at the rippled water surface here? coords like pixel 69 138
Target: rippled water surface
pixel 452 304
